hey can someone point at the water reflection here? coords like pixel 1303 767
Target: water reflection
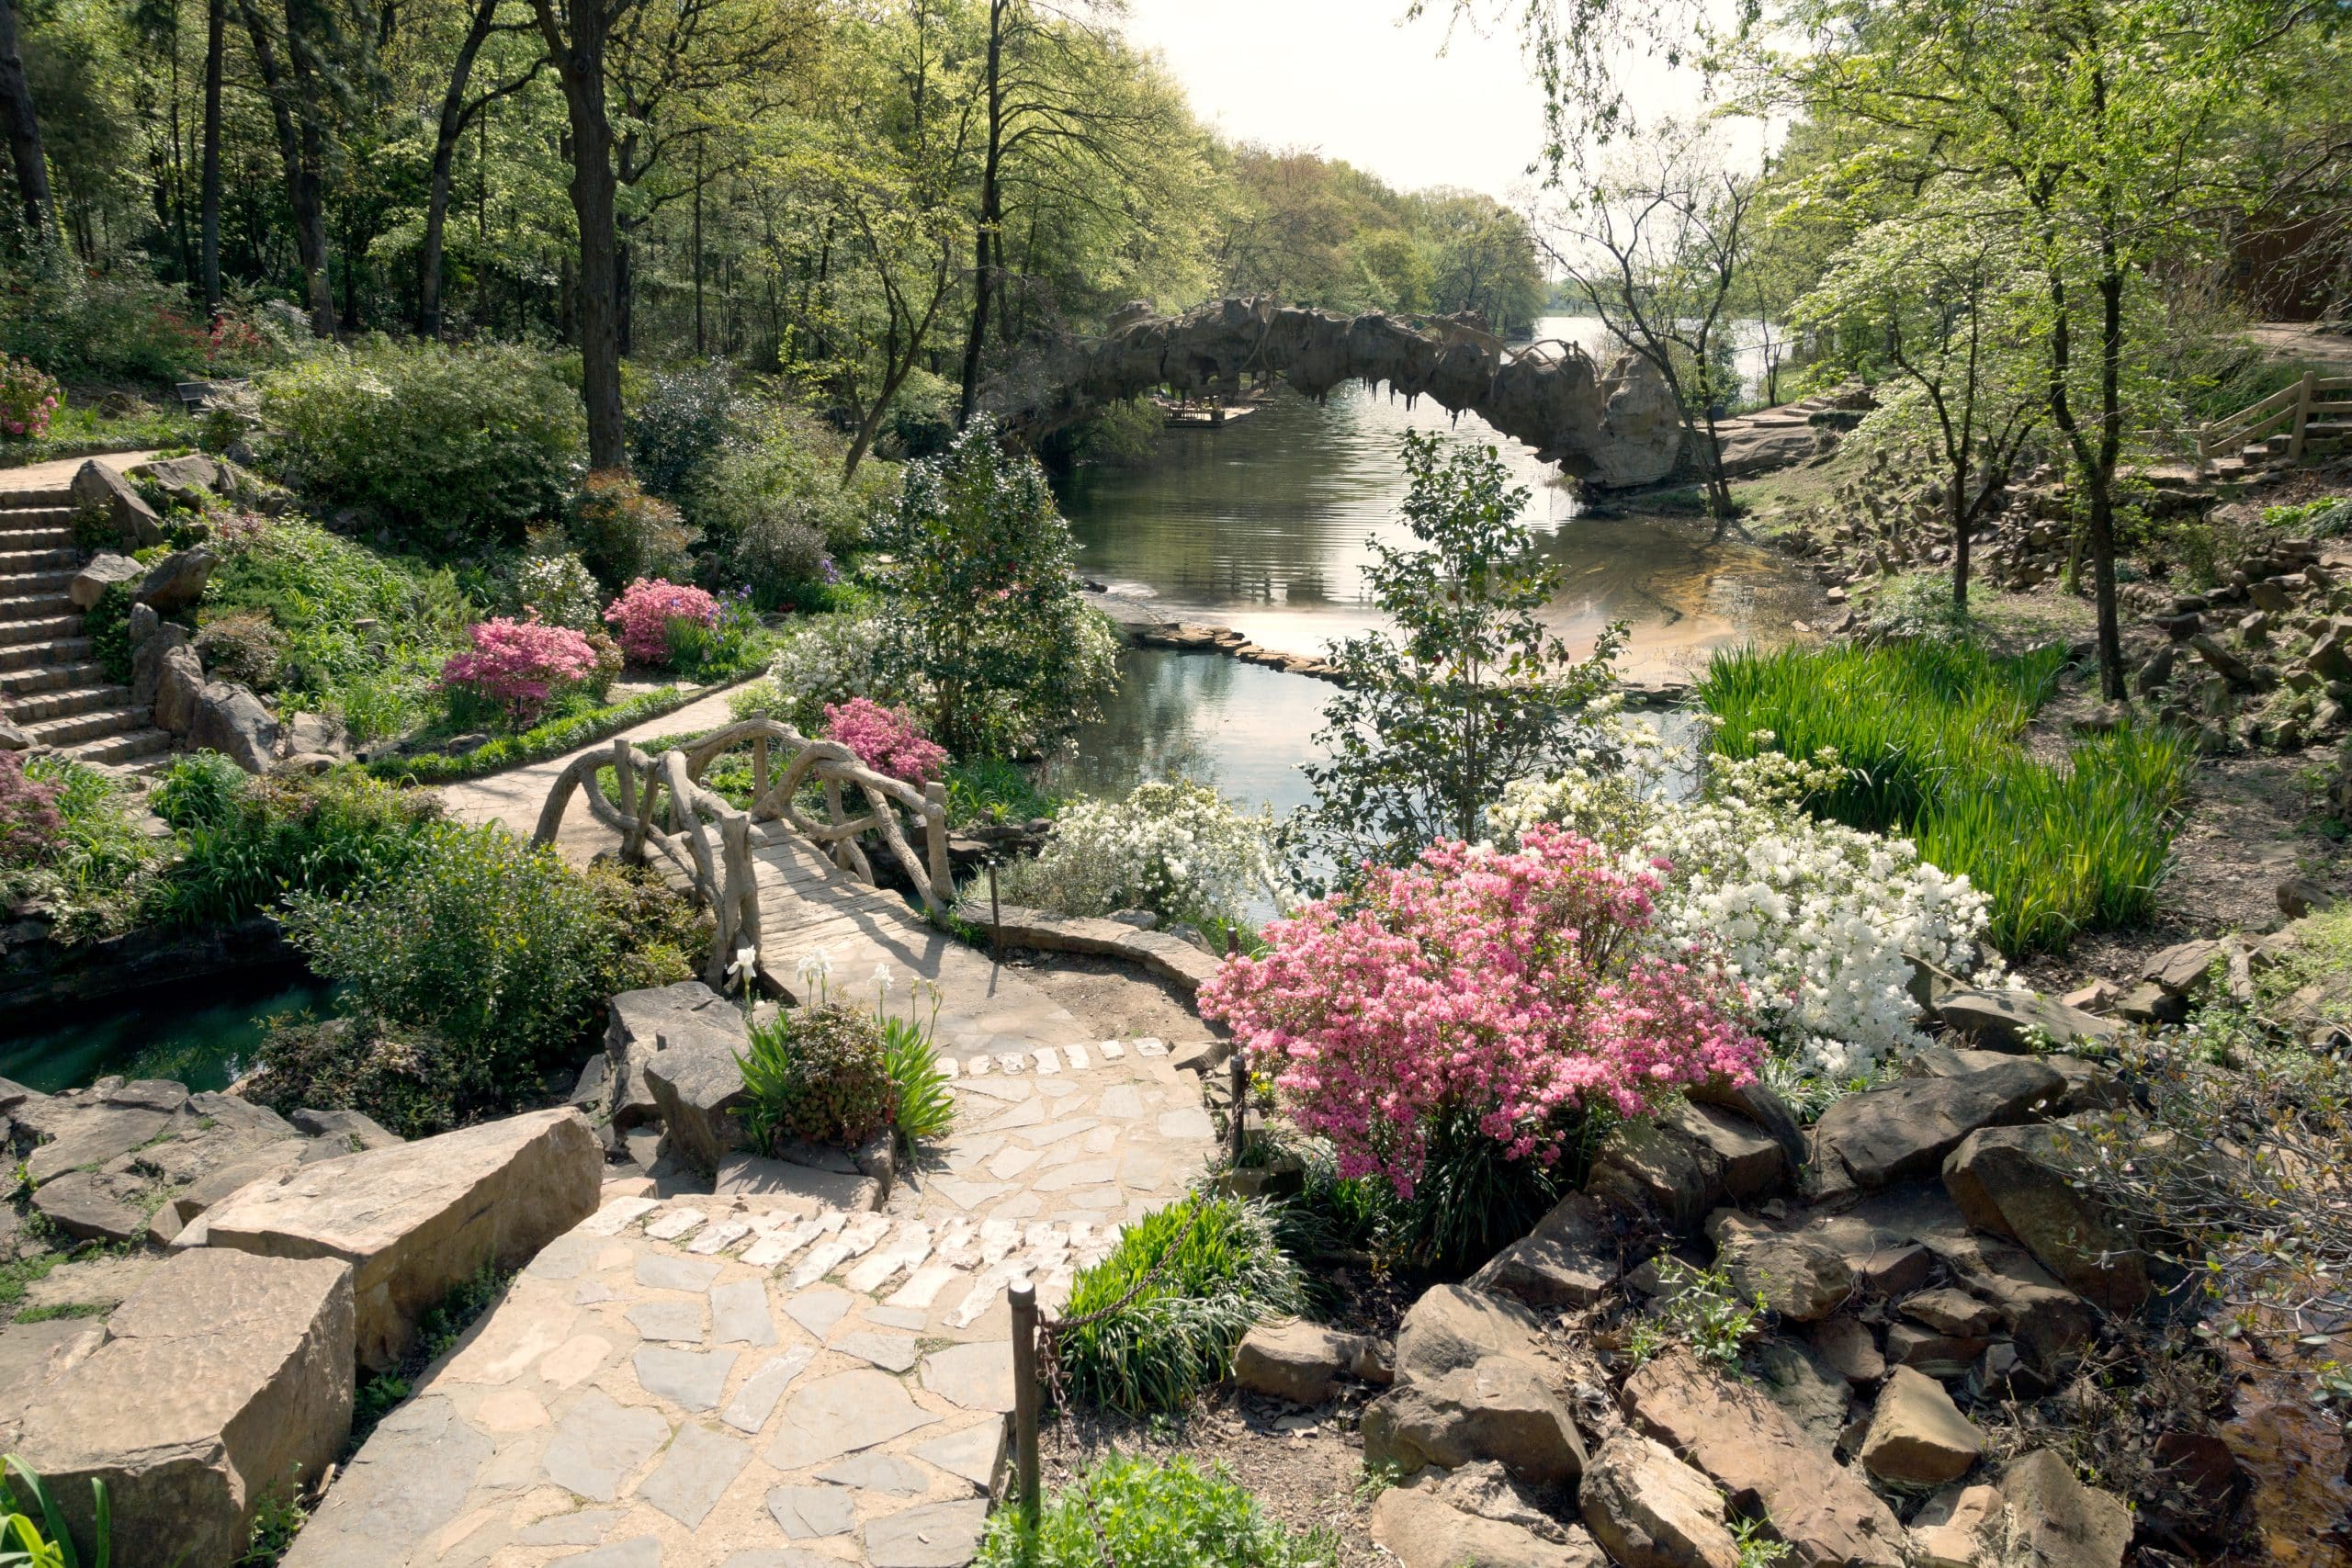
pixel 1200 716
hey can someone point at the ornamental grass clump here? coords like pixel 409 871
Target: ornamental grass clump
pixel 1152 1513
pixel 1201 1271
pixel 1518 990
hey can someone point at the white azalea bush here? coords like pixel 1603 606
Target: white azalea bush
pixel 829 659
pixel 1178 849
pixel 1816 917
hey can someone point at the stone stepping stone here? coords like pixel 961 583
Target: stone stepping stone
pixel 812 1512
pixel 1049 1061
pixel 755 1401
pixel 692 1380
pixel 700 1466
pixel 718 1237
pixel 817 1310
pixel 598 1443
pixel 1112 1050
pixel 947 1067
pixel 738 1314
pixel 977 1068
pixel 896 1317
pixel 1122 1102
pixel 565 1258
pixel 675 1223
pixel 1076 1056
pixel 977 1376
pixel 973 1453
pixel 1189 1121
pixel 1150 1047
pixel 641 1552
pixel 891 1352
pixel 677 1322
pixel 937 1534
pixel 1010 1162
pixel 922 1288
pixel 841 1414
pixel 878 1473
pixel 616 1215
pixel 659 1271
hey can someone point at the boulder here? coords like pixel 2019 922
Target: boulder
pixel 1957 1530
pixel 1949 1311
pixel 1570 1258
pixel 1904 1129
pixel 2009 1180
pixel 1748 1162
pixel 1917 1436
pixel 2008 1021
pixel 2050 1324
pixel 1734 1434
pixel 2186 969
pixel 1808 1388
pixel 1296 1360
pixel 1756 1102
pixel 147 659
pixel 191 481
pixel 1648 1509
pixel 416 1218
pixel 1932 1351
pixel 315 734
pixel 84 1131
pixel 1797 1277
pixel 1650 1170
pixel 177 580
pixel 105 569
pixel 1421 1529
pixel 1845 1346
pixel 231 720
pixel 354 1131
pixel 100 489
pixel 96 1205
pixel 178 681
pixel 1473 1384
pixel 224 1378
pixel 2060 1522
pixel 633 1033
pixel 697 1082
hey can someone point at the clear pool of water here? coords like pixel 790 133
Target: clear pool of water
pixel 198 1032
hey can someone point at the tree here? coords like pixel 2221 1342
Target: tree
pixel 24 155
pixel 1935 294
pixel 1470 692
pixel 457 111
pixel 987 617
pixel 1657 245
pixel 578 34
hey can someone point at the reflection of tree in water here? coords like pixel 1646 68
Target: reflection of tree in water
pixel 1148 729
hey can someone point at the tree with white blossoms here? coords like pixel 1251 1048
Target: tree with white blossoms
pixel 1175 848
pixel 1819 919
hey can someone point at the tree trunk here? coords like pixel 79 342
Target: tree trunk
pixel 451 127
pixel 296 146
pixel 1963 520
pixel 580 66
pixel 24 131
pixel 992 214
pixel 216 27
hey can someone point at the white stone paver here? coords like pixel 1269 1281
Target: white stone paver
pixel 812 1389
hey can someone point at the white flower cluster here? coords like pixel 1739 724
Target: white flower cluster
pixel 1819 919
pixel 829 659
pixel 1177 849
pixel 558 588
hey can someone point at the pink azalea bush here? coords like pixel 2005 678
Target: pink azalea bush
pixel 519 665
pixel 888 740
pixel 29 396
pixel 29 822
pixel 644 611
pixel 1511 985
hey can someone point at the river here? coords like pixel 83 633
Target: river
pixel 1265 525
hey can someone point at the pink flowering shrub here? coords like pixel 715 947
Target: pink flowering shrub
pixel 519 666
pixel 29 396
pixel 1507 985
pixel 888 740
pixel 644 611
pixel 29 822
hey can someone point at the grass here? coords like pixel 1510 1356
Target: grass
pixel 536 744
pixel 1219 1271
pixel 1933 733
pixel 79 430
pixel 1152 1514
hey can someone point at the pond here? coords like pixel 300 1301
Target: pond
pixel 196 1039
pixel 1264 524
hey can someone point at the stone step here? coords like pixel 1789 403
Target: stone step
pixel 55 581
pixel 15 683
pixel 127 746
pixel 37 500
pixel 68 701
pixel 40 628
pixel 96 725
pixel 50 558
pixel 36 535
pixel 35 606
pixel 45 653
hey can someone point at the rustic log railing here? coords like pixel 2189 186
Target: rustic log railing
pixel 2291 411
pixel 708 838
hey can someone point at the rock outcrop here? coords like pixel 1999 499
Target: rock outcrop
pixel 1473 1384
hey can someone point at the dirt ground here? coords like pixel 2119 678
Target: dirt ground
pixel 1116 1001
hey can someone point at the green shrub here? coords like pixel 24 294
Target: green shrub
pixel 624 533
pixel 820 1074
pixel 2326 518
pixel 94 867
pixel 784 563
pixel 1471 1201
pixel 242 645
pixel 454 449
pixel 83 326
pixel 254 844
pixel 991 789
pixel 412 1081
pixel 678 420
pixel 786 469
pixel 553 739
pixel 1142 1513
pixel 659 936
pixel 497 947
pixel 1221 1271
pixel 824 661
pixel 108 625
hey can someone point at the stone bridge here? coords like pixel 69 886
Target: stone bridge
pixel 1611 427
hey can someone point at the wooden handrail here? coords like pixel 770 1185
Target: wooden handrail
pixel 2290 407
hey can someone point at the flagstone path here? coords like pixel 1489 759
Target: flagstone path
pixel 736 1380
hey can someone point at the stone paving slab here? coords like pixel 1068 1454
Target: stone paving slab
pixel 819 1389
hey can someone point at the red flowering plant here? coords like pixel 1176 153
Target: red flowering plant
pixel 889 740
pixel 519 667
pixel 29 397
pixel 1477 1004
pixel 644 611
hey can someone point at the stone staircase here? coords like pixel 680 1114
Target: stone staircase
pixel 50 686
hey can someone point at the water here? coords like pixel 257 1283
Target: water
pixel 1264 525
pixel 162 1036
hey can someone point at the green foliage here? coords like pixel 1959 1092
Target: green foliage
pixel 1697 1308
pixel 454 449
pixel 1932 733
pixel 46 1542
pixel 924 1105
pixel 247 844
pixel 623 533
pixel 359 633
pixel 1471 691
pixel 1145 1513
pixel 77 430
pixel 278 1518
pixel 678 420
pixel 2329 517
pixel 437 1333
pixel 493 944
pixel 99 866
pixel 108 625
pixel 84 326
pixel 992 789
pixel 1213 1267
pixel 1472 1202
pixel 553 738
pixel 820 1074
pixel 987 615
pixel 412 1081
pixel 244 646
